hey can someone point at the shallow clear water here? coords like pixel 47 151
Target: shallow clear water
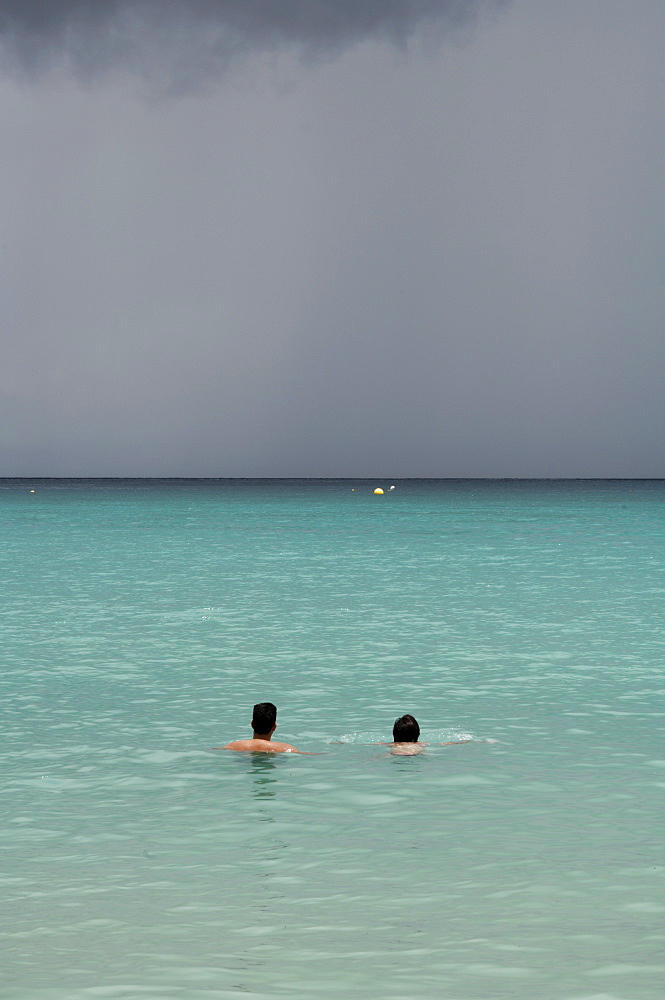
pixel 142 619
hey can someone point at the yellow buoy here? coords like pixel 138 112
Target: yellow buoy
pixel 378 490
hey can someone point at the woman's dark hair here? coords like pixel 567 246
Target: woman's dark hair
pixel 264 717
pixel 406 730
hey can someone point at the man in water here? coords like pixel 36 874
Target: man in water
pixel 264 725
pixel 406 736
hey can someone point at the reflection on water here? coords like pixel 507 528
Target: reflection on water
pixel 264 774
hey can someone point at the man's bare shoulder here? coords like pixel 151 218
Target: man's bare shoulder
pixel 259 746
pixel 407 749
pixel 411 749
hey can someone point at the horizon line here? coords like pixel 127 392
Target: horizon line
pixel 442 479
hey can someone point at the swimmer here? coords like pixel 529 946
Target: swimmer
pixel 406 738
pixel 263 725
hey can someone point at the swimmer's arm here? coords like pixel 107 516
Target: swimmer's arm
pixel 288 748
pixel 449 743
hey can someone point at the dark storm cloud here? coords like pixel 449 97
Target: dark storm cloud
pixel 426 260
pixel 201 36
pixel 319 22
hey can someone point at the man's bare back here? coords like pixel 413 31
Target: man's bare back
pixel 410 749
pixel 260 746
pixel 407 749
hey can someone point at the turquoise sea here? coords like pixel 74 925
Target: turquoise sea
pixel 143 618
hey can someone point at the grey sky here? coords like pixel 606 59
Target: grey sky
pixel 294 247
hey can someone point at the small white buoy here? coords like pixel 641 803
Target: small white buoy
pixel 392 487
pixel 32 491
pixel 378 490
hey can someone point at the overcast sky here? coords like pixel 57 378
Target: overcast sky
pixel 343 238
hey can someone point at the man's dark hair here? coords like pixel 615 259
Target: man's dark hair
pixel 406 730
pixel 264 717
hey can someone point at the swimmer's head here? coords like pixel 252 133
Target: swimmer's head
pixel 406 730
pixel 264 717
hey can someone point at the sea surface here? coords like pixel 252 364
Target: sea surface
pixel 142 619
